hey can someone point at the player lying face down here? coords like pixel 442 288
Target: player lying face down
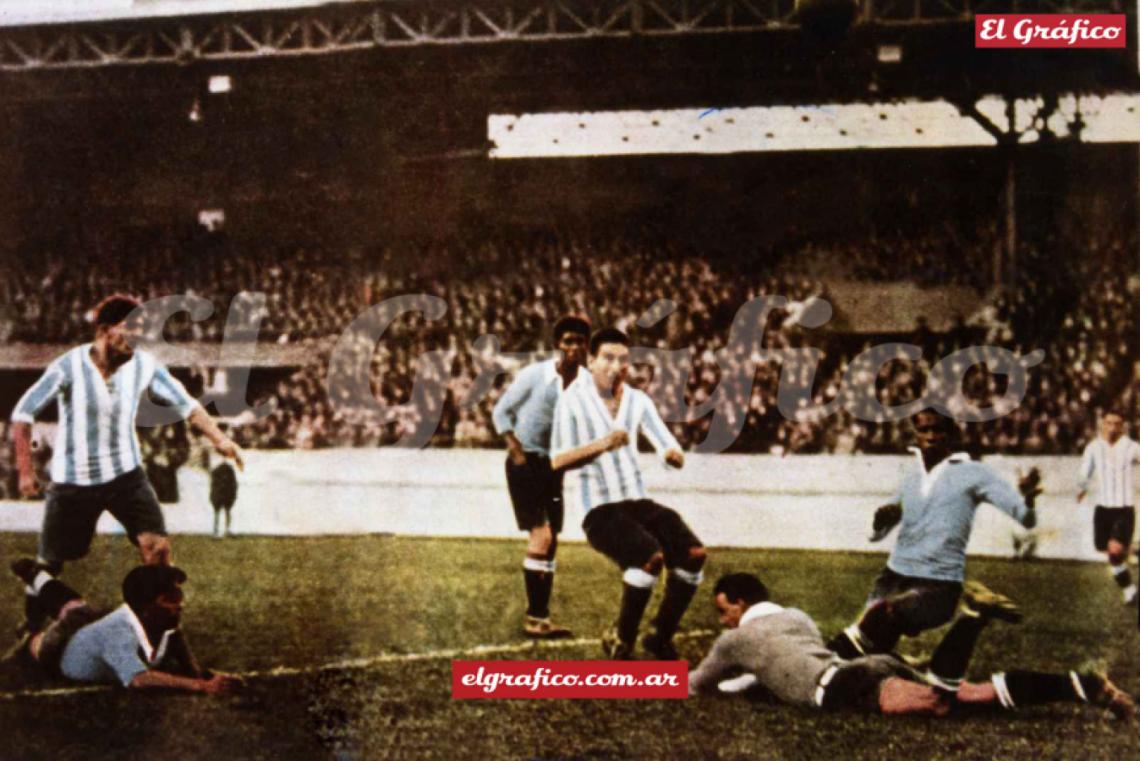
pixel 138 645
pixel 781 653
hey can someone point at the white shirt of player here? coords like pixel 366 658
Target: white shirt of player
pixel 96 440
pixel 581 416
pixel 1112 466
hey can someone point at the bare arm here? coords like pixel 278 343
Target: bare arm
pixel 202 422
pixel 218 684
pixel 22 442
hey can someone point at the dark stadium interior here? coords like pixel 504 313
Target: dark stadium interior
pixel 350 176
pixel 347 178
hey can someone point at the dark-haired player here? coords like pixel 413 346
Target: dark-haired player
pixel 523 416
pixel 1110 457
pixel 935 505
pixel 780 650
pixel 97 464
pixel 138 645
pixel 595 430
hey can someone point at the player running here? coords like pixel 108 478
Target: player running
pixel 1110 458
pixel 523 416
pixel 96 464
pixel 595 431
pixel 936 502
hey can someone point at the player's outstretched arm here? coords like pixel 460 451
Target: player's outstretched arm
pixel 714 667
pixel 995 490
pixel 217 684
pixel 22 443
pixel 223 444
pixel 658 434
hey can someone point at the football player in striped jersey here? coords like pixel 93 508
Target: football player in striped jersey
pixel 596 423
pixel 97 464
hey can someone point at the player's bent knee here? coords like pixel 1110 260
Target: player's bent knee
pixel 1117 552
pixel 541 539
pixel 655 564
pixel 696 559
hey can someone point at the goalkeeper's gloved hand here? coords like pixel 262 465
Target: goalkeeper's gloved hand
pixel 886 518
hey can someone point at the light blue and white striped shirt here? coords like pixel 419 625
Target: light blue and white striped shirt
pixel 96 440
pixel 581 417
pixel 527 406
pixel 1112 464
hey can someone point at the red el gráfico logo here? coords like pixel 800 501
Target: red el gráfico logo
pixel 1049 30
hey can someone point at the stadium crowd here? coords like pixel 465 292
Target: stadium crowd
pixel 670 300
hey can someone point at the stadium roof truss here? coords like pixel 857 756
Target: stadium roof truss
pixel 399 23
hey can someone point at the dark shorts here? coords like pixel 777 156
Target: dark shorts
pixel 71 513
pixel 536 493
pixel 1113 523
pixel 857 683
pixel 917 604
pixel 633 531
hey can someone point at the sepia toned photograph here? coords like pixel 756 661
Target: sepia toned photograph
pixel 556 379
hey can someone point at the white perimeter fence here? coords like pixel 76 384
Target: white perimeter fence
pixel 808 502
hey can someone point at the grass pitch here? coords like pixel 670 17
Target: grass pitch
pixel 380 610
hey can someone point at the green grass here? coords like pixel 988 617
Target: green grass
pixel 259 603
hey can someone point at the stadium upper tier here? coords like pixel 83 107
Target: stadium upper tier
pixel 121 31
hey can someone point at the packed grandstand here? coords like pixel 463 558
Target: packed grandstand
pixel 1083 318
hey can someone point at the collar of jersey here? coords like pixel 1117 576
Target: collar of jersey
pixel 956 457
pixel 153 655
pixel 759 610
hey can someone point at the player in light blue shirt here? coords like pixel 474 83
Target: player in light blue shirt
pixel 138 645
pixel 523 416
pixel 921 585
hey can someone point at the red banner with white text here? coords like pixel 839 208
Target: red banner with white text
pixel 569 679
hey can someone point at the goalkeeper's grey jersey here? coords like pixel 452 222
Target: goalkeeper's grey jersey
pixel 781 647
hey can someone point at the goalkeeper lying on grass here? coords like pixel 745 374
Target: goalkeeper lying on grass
pixel 781 653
